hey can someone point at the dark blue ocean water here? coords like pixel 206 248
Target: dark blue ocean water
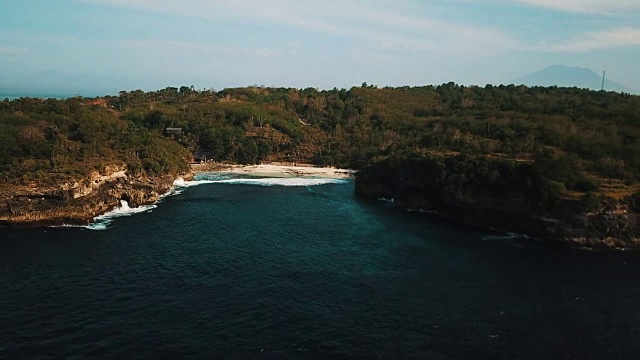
pixel 243 271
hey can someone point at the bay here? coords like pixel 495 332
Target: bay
pixel 242 270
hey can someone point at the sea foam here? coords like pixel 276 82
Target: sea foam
pixel 101 222
pixel 282 181
pixel 234 179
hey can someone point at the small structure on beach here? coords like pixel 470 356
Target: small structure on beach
pixel 198 158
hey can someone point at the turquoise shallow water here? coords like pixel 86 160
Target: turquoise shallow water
pixel 234 269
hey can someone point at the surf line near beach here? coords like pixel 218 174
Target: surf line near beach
pixel 259 175
pixel 276 169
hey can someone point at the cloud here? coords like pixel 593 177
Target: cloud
pixel 586 6
pixel 7 51
pixel 185 49
pixel 597 40
pixel 399 25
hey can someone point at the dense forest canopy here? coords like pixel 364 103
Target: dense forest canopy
pixel 579 138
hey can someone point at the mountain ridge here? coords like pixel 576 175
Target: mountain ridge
pixel 571 76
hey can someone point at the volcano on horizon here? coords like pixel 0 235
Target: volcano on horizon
pixel 566 76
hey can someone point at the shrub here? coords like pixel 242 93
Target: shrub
pixel 591 201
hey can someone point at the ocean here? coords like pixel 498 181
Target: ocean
pixel 37 96
pixel 259 268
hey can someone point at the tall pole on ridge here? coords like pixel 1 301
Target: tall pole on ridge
pixel 603 74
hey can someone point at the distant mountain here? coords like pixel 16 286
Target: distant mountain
pixel 565 76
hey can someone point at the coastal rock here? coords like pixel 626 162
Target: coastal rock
pixel 615 223
pixel 78 202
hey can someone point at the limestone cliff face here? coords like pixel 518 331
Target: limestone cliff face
pixel 612 223
pixel 95 180
pixel 78 202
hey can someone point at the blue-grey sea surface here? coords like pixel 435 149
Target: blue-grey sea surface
pixel 262 269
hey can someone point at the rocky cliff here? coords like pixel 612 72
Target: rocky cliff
pixel 503 202
pixel 78 202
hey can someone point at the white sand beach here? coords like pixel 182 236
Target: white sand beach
pixel 280 170
pixel 273 169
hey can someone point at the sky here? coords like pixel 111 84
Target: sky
pixel 86 46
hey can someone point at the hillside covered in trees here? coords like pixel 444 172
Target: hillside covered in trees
pixel 576 143
pixel 597 132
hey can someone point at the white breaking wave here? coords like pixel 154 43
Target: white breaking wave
pixel 282 181
pixel 222 178
pixel 68 226
pixel 101 222
pixel 181 183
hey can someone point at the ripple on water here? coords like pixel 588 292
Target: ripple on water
pixel 235 270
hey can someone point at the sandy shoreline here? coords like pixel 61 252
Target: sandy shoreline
pixel 279 170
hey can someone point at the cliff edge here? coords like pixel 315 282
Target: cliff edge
pixel 78 202
pixel 505 195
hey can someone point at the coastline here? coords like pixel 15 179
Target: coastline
pixel 610 224
pixel 83 201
